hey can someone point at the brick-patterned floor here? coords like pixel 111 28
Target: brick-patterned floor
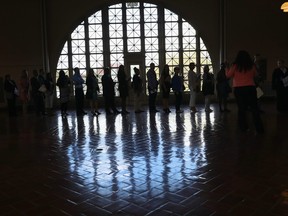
pixel 143 164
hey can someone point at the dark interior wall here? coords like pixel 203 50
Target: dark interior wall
pixel 258 26
pixel 20 36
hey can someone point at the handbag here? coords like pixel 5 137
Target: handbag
pixel 42 88
pixel 259 91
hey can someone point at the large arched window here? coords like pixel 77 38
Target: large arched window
pixel 133 33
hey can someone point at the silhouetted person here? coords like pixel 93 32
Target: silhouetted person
pixel 123 88
pixel 243 72
pixel 92 92
pixel 165 86
pixel 152 88
pixel 63 83
pixel 78 82
pixel 208 87
pixel 109 92
pixel 138 90
pixel 178 88
pixel 11 93
pixel 194 86
pixel 223 88
pixel 24 94
pixel 280 85
pixel 38 93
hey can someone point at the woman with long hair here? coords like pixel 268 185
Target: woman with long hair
pixel 243 72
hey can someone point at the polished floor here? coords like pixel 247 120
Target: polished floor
pixel 143 164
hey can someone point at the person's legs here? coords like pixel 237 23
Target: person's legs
pixel 240 95
pixel 192 101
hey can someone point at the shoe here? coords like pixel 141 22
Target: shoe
pixel 208 110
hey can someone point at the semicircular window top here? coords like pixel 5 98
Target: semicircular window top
pixel 152 33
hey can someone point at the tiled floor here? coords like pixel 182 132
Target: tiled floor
pixel 143 164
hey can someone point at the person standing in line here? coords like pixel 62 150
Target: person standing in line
pixel 78 82
pixel 243 72
pixel 223 88
pixel 165 86
pixel 109 92
pixel 280 85
pixel 123 88
pixel 178 88
pixel 63 83
pixel 11 93
pixel 193 82
pixel 152 88
pixel 24 94
pixel 208 87
pixel 137 85
pixel 38 92
pixel 49 94
pixel 92 92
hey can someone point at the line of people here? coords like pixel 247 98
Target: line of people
pixel 243 71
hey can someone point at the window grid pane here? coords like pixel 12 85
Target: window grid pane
pixel 95 18
pixel 63 62
pixel 79 61
pixel 78 46
pixel 189 39
pixel 133 15
pixel 171 43
pixel 95 31
pixel 96 46
pixel 78 33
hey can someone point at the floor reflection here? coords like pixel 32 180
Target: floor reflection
pixel 134 153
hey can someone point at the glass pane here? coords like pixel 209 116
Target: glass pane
pixel 170 16
pixel 116 59
pixel 172 58
pixel 78 46
pixel 78 33
pixel 115 30
pixel 65 49
pixel 116 45
pixel 151 29
pixel 79 61
pixel 151 44
pixel 63 62
pixel 132 4
pixel 133 15
pixel 134 45
pixel 96 18
pixel 189 43
pixel 95 31
pixel 133 30
pixel 96 46
pixel 202 45
pixel 188 30
pixel 96 61
pixel 171 43
pixel 205 58
pixel 171 29
pixel 115 15
pixel 150 15
pixel 189 57
pixel 152 58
